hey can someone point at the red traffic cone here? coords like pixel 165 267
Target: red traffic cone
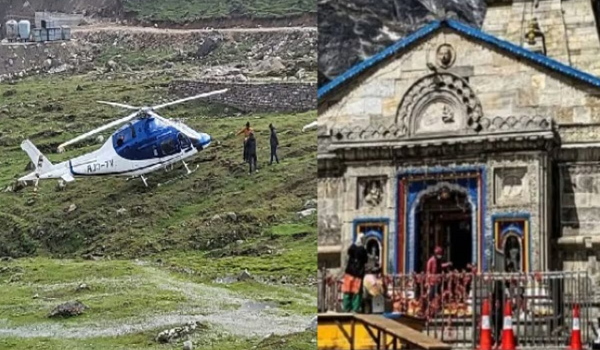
pixel 576 332
pixel 485 341
pixel 508 337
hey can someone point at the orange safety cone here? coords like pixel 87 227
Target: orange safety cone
pixel 508 336
pixel 576 332
pixel 485 341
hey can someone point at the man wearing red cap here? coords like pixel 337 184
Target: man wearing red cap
pixel 435 267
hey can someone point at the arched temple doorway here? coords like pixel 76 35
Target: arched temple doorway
pixel 444 219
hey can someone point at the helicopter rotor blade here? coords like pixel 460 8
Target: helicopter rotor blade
pixel 114 104
pixel 177 125
pixel 189 99
pixel 98 130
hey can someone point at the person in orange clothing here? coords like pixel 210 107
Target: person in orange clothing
pixel 353 276
pixel 247 130
pixel 435 266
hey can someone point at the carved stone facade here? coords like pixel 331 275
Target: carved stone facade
pixel 456 137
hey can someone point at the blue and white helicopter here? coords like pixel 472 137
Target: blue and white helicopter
pixel 146 143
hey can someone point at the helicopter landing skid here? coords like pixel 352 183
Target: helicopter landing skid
pixel 170 181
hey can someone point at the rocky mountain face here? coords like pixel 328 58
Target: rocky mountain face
pixel 352 30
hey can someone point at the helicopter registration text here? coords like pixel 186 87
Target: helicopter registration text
pixel 93 168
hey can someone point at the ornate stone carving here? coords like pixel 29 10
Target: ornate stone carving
pixel 447 89
pixel 370 192
pixel 437 116
pixel 445 56
pixel 511 185
pixel 512 123
pixel 329 203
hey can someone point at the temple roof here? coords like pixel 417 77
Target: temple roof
pixel 469 32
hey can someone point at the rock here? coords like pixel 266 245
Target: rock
pixel 72 208
pixel 231 216
pixel 82 286
pixel 188 345
pixel 270 67
pixel 240 78
pixel 121 212
pixel 68 309
pixel 216 218
pixel 310 204
pixel 99 139
pixel 239 242
pixel 244 276
pixel 61 185
pixel 306 213
pixel 300 74
pixel 111 65
pixel 313 325
pixel 208 46
pixel 35 296
pixel 170 335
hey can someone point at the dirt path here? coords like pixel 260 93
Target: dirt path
pixel 226 311
pixel 113 28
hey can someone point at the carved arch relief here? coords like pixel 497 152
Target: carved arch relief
pixel 439 103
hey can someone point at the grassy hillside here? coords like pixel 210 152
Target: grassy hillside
pixel 190 10
pixel 159 252
pixel 178 216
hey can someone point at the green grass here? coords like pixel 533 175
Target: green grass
pixel 172 223
pixel 176 216
pixel 190 10
pixel 298 341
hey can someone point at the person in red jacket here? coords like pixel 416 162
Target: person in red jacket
pixel 435 266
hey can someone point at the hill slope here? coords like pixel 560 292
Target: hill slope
pixel 219 209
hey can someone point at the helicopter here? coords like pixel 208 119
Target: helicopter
pixel 147 142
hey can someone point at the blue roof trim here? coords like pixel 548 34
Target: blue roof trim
pixel 470 32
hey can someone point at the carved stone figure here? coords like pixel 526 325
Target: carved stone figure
pixel 445 56
pixel 372 192
pixel 512 253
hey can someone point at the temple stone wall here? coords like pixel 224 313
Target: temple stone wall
pixel 514 187
pixel 504 86
pixel 569 28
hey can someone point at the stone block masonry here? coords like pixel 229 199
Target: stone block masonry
pixel 254 97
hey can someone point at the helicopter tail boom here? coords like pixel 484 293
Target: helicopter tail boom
pixel 41 163
pixel 44 169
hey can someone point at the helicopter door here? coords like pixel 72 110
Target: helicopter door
pixel 184 141
pixel 169 146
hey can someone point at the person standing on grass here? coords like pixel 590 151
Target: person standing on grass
pixel 353 277
pixel 274 143
pixel 246 131
pixel 251 147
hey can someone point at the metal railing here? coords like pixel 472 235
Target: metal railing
pixel 450 304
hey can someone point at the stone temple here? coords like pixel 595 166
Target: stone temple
pixel 484 141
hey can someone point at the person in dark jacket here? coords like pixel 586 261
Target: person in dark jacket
pixel 353 277
pixel 274 144
pixel 251 149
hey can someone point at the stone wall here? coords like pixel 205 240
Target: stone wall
pixel 255 97
pixel 569 28
pixel 504 85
